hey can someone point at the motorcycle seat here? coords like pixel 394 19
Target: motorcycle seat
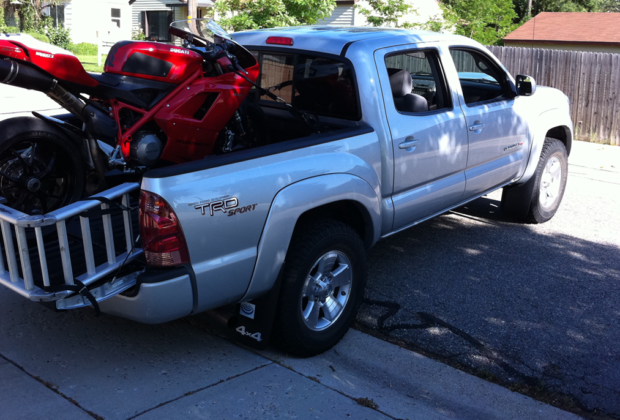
pixel 105 79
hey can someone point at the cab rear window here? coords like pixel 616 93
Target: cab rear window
pixel 322 85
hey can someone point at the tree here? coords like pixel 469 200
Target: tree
pixel 486 21
pixel 239 15
pixel 539 6
pixel 388 13
pixel 30 14
pixel 609 6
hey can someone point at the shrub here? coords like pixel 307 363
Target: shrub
pixel 10 30
pixel 138 35
pixel 83 48
pixel 44 23
pixel 38 36
pixel 60 37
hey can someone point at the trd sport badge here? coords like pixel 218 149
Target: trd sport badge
pixel 222 205
pixel 225 204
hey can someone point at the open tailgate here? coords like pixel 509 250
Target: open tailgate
pixel 65 255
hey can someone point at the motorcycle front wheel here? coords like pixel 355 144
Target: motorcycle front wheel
pixel 40 169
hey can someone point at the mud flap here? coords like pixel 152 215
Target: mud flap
pixel 517 199
pixel 248 323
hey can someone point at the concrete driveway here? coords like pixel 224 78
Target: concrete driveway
pixel 528 306
pixel 71 365
pixel 16 102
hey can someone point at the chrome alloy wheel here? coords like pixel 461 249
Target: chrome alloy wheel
pixel 326 290
pixel 550 183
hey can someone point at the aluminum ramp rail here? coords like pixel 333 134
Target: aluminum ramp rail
pixel 17 265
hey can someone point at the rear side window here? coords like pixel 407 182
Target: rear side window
pixel 417 82
pixel 322 85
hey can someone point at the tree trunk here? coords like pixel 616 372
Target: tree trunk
pixel 192 9
pixel 192 13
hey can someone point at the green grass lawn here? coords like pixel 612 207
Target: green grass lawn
pixel 90 62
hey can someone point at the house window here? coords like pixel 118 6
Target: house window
pixel 57 13
pixel 116 17
pixel 155 25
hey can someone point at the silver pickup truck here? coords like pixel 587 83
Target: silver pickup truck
pixel 414 124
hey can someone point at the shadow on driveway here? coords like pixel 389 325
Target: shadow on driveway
pixel 513 302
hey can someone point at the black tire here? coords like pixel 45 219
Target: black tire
pixel 552 149
pixel 56 164
pixel 308 245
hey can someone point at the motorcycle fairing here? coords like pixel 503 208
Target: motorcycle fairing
pixel 190 135
pixel 190 138
pixel 60 63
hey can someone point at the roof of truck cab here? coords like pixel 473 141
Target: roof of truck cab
pixel 335 39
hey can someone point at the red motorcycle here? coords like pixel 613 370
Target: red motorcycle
pixel 155 104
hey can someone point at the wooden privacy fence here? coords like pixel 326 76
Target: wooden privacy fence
pixel 590 80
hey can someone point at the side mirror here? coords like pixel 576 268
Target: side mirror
pixel 526 85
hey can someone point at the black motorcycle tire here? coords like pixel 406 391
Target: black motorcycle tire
pixel 50 178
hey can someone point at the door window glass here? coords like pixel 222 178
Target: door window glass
pixel 417 82
pixel 480 79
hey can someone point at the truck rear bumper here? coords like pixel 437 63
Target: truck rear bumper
pixel 160 298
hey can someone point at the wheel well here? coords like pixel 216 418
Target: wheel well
pixel 345 211
pixel 561 133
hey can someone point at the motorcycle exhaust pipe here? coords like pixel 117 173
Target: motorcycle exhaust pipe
pixel 19 75
pixel 15 74
pixel 67 100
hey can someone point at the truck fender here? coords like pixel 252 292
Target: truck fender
pixel 545 122
pixel 289 204
pixel 517 198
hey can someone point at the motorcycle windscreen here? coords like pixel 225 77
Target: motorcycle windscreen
pixel 210 33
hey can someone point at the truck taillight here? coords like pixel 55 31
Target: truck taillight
pixel 160 232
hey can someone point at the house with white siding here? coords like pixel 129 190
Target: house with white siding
pixel 346 14
pixel 153 17
pixel 90 21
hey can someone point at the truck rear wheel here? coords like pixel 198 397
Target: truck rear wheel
pixel 322 288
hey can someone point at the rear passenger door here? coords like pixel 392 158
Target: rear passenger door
pixel 429 134
pixel 497 133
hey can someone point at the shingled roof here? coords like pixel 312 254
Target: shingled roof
pixel 573 28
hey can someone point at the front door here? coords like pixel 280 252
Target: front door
pixel 497 134
pixel 429 134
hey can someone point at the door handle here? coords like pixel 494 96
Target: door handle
pixel 478 126
pixel 409 144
